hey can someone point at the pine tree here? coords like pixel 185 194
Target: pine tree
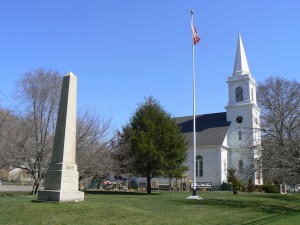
pixel 153 143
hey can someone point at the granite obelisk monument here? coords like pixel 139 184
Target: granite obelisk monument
pixel 62 176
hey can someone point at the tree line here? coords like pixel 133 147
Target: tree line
pixel 27 131
pixel 149 145
pixel 27 135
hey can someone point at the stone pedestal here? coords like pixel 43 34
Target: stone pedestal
pixel 62 176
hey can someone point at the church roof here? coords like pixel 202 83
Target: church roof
pixel 241 64
pixel 211 129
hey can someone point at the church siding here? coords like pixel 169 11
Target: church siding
pixel 213 171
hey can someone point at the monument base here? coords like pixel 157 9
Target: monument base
pixel 60 196
pixel 195 197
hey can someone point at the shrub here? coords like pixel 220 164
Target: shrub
pixel 251 186
pixel 270 188
pixel 258 188
pixel 225 186
pixel 242 186
pixel 232 178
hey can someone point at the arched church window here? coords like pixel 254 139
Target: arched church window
pixel 241 166
pixel 239 94
pixel 199 166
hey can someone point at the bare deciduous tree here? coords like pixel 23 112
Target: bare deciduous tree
pixel 122 153
pixel 38 93
pixel 94 145
pixel 6 121
pixel 27 142
pixel 279 100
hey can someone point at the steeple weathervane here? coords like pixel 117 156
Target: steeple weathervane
pixel 241 64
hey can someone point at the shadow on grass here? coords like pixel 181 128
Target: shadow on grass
pixel 263 219
pixel 273 211
pixel 281 197
pixel 253 205
pixel 117 192
pixel 14 194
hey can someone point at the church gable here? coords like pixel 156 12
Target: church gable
pixel 211 129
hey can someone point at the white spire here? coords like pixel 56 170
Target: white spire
pixel 241 64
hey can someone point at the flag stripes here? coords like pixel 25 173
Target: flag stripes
pixel 196 38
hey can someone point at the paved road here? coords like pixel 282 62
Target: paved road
pixel 15 188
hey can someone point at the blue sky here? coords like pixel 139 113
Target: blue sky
pixel 122 51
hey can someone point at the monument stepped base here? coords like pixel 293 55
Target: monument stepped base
pixel 60 196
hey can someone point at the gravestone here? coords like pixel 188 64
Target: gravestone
pixel 62 176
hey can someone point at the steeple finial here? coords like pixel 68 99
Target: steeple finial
pixel 241 64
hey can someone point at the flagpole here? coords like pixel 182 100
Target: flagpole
pixel 194 195
pixel 194 108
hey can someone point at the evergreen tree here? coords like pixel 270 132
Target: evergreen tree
pixel 152 143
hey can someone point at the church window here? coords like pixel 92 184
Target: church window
pixel 240 135
pixel 239 94
pixel 241 166
pixel 199 166
pixel 252 94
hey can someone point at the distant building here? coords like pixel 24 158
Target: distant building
pixel 3 174
pixel 228 139
pixel 20 176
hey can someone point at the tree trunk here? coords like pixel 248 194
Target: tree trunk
pixel 35 187
pixel 148 184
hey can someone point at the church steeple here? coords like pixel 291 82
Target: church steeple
pixel 243 112
pixel 241 64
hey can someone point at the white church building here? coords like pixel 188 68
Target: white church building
pixel 229 139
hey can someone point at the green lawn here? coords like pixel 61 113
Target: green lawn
pixel 161 208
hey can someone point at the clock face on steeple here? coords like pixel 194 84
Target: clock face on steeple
pixel 239 119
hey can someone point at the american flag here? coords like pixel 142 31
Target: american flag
pixel 196 38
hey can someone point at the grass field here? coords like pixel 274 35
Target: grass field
pixel 160 208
